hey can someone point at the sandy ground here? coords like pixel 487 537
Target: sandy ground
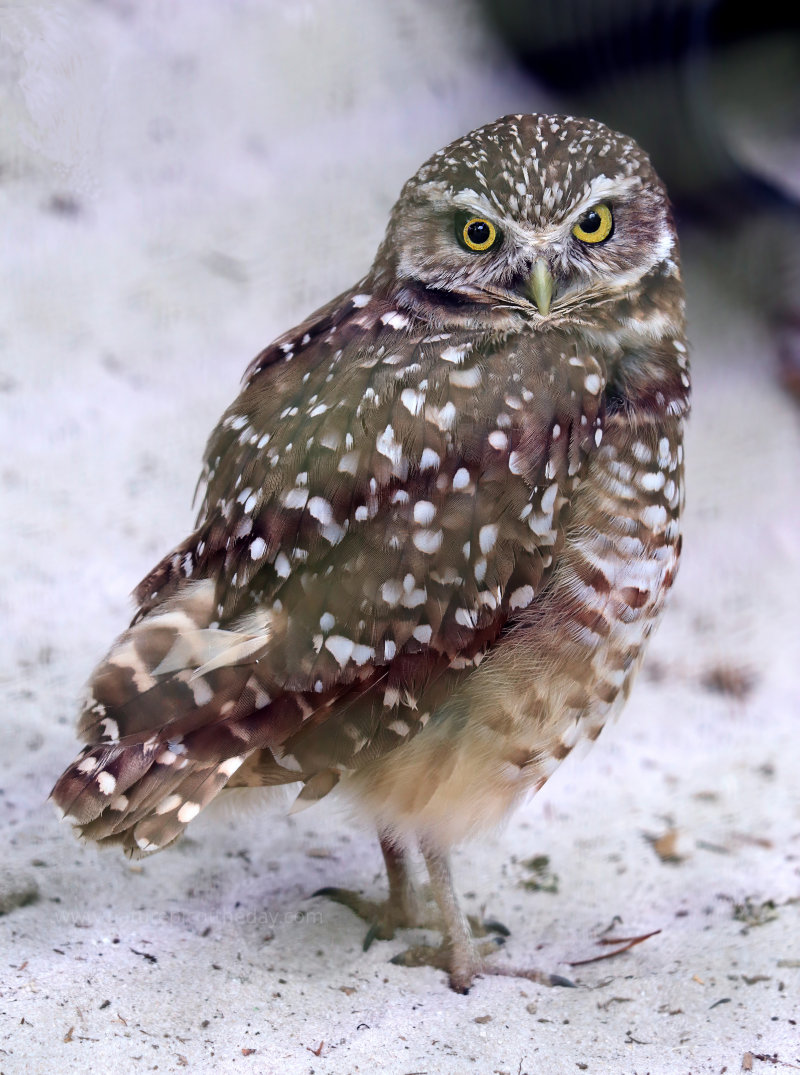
pixel 178 183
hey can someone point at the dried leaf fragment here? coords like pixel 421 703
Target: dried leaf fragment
pixel 666 846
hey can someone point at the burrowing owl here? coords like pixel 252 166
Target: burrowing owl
pixel 439 524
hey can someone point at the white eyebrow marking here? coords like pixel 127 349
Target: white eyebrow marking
pixel 601 188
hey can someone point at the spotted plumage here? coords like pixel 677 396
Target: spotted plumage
pixel 438 524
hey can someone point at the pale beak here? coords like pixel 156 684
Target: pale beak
pixel 541 286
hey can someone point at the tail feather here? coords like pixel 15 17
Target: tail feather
pixel 98 778
pixel 173 813
pixel 164 720
pixel 177 709
pixel 142 794
pixel 172 664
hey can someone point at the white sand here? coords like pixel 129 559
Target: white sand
pixel 178 183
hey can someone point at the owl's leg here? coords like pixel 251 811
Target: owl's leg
pixel 459 955
pixel 404 907
pixel 404 898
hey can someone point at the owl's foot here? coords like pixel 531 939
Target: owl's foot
pixel 404 908
pixel 463 964
pixel 460 970
pixel 459 955
pixel 383 917
pixel 386 917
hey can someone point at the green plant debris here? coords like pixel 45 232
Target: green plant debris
pixel 543 879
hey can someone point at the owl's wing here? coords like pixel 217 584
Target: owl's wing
pixel 380 502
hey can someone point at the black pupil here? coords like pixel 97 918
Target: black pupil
pixel 591 222
pixel 478 232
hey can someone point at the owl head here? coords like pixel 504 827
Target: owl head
pixel 539 219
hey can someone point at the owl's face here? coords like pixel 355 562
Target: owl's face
pixel 544 218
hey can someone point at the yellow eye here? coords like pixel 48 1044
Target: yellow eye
pixel 595 226
pixel 478 234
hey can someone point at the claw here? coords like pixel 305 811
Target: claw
pixel 382 918
pixel 422 955
pixel 353 901
pixel 491 925
pixel 370 936
pixel 531 974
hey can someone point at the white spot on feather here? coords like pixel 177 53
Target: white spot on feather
pixel 257 548
pixel 654 517
pixel 107 783
pixel 592 383
pixel 424 512
pixel 487 537
pixel 320 509
pixel 455 354
pixel 110 728
pixel 466 378
pixel 521 597
pixel 341 648
pixel 428 541
pixel 201 692
pixel 429 460
pixel 295 498
pixel 229 766
pixel 166 806
pixel 442 417
pixel 652 480
pixel 388 446
pixel 549 498
pixel 461 478
pixel 412 400
pixel 394 320
pixel 348 464
pixel 362 654
pixel 188 811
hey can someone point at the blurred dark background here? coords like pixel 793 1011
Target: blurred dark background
pixel 711 88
